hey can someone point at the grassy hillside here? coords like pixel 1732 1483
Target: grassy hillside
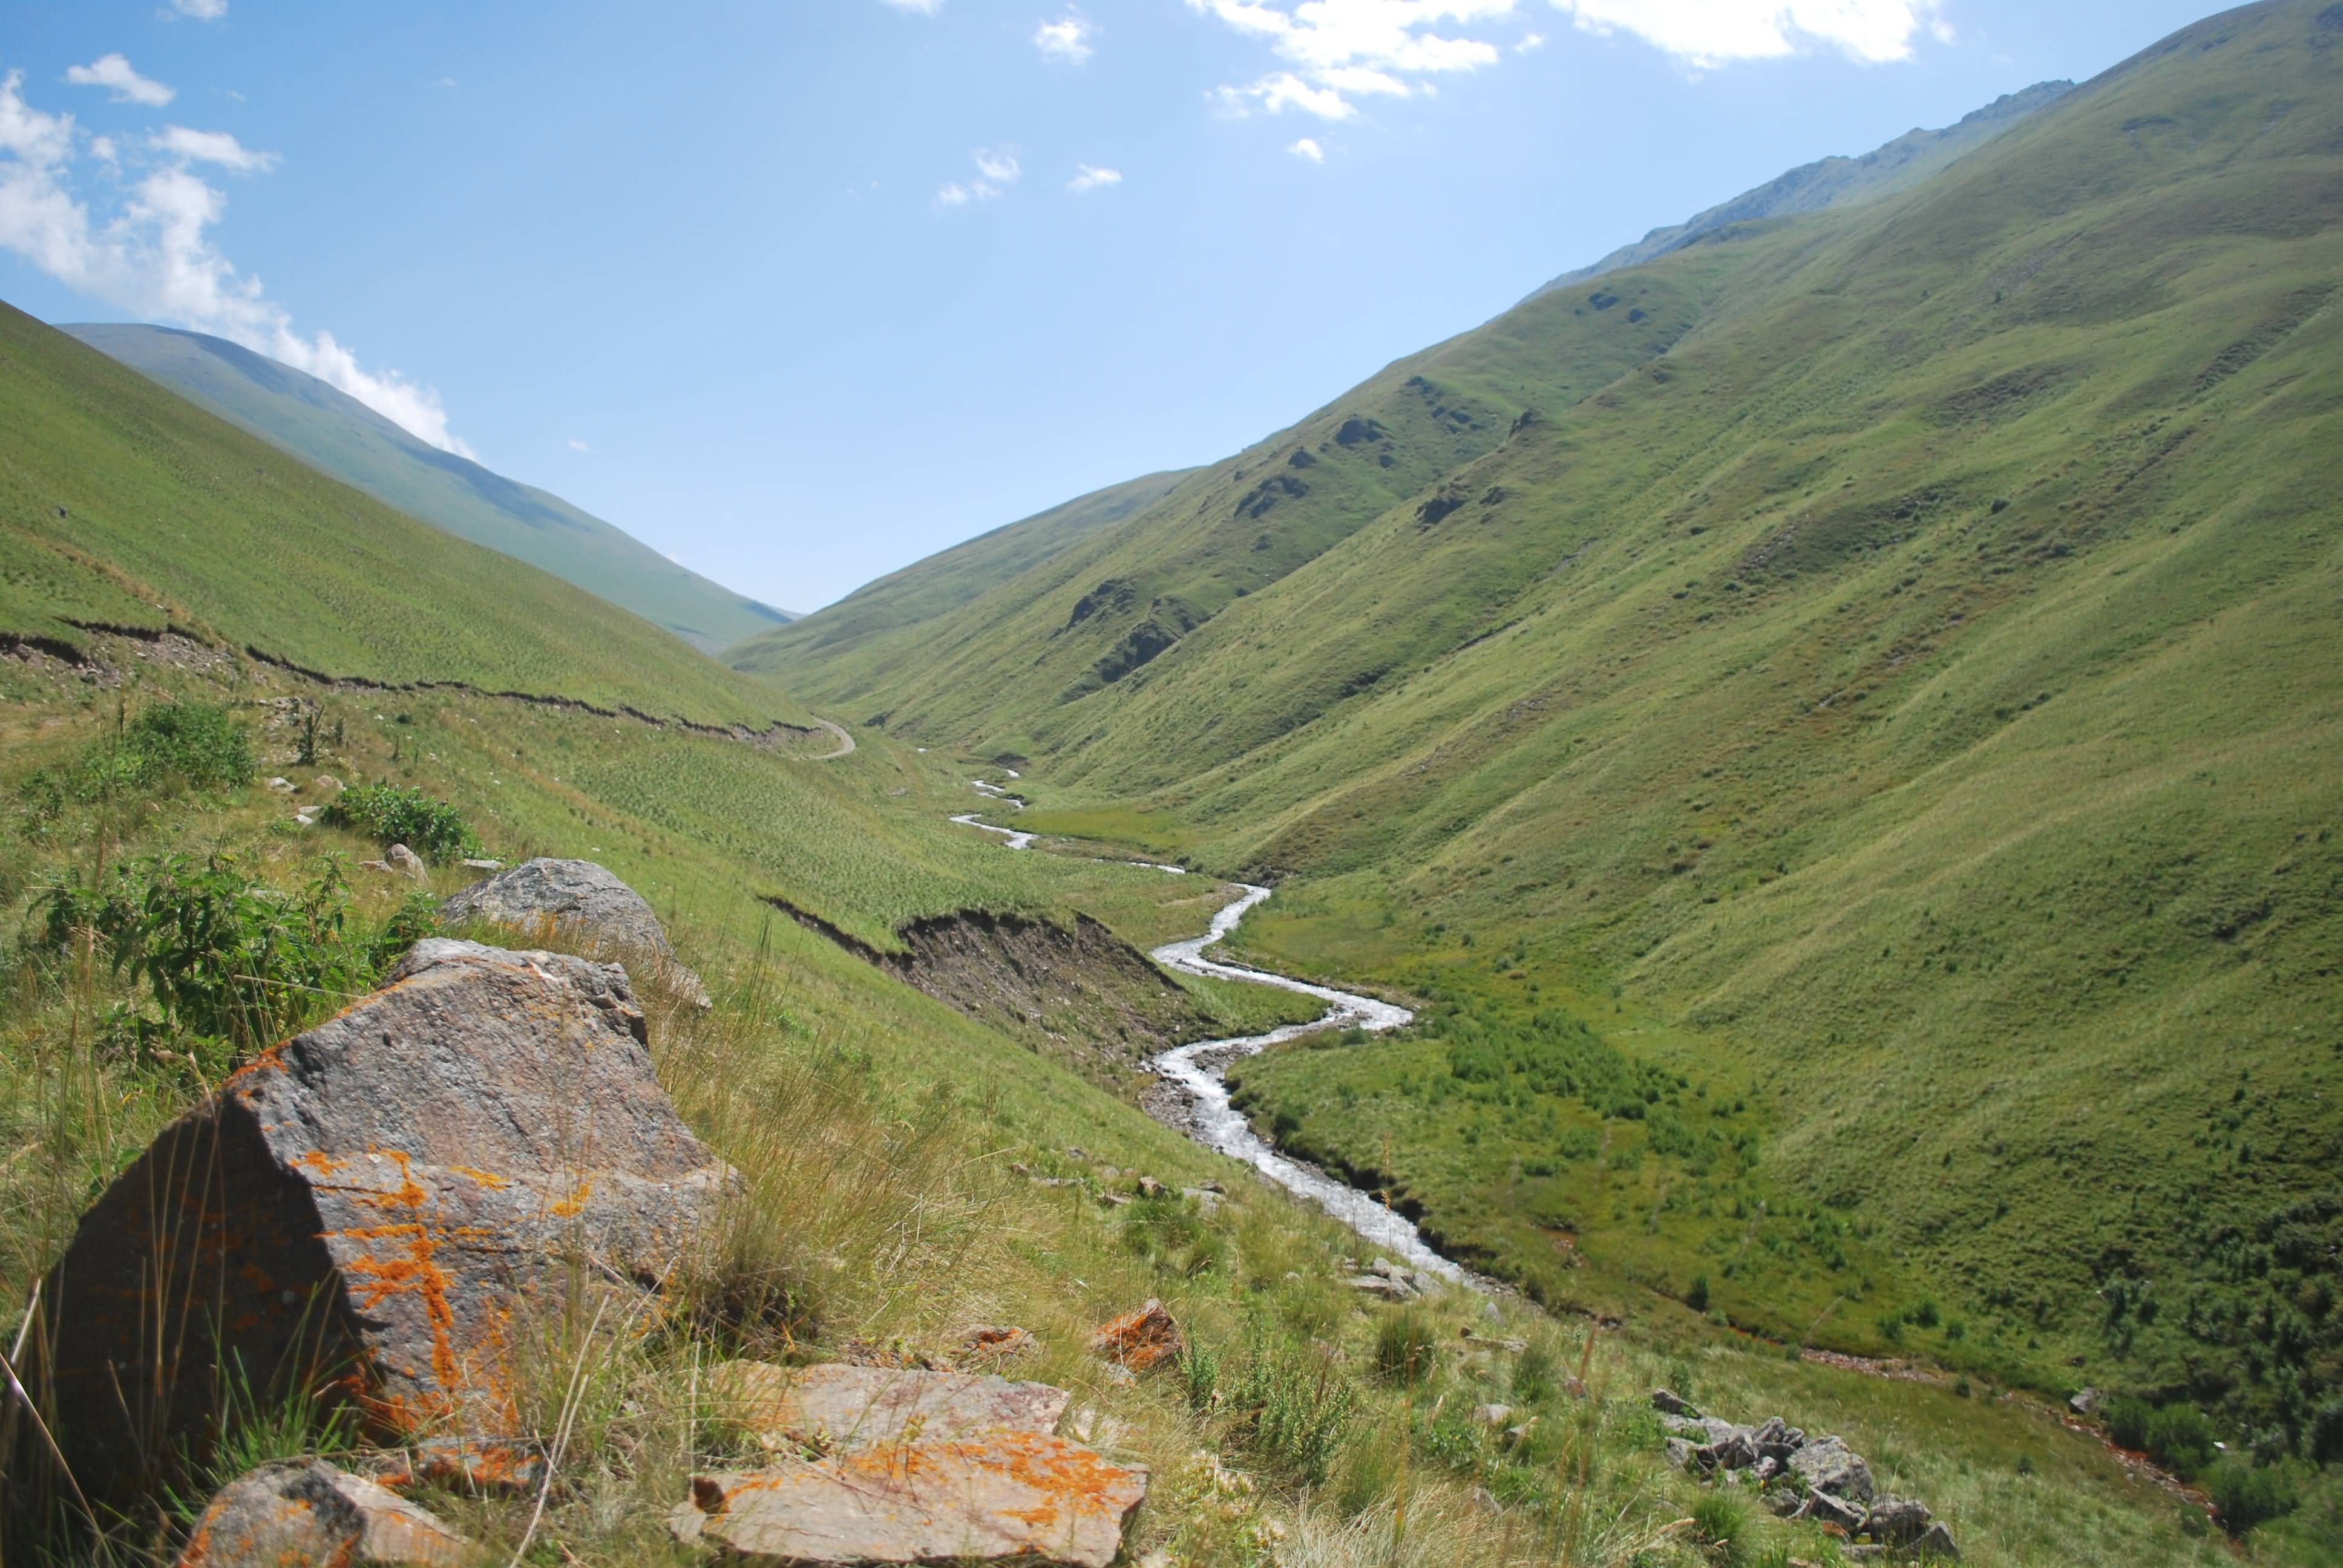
pixel 350 441
pixel 1835 182
pixel 943 582
pixel 123 504
pixel 1886 693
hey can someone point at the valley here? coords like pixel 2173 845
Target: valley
pixel 1760 835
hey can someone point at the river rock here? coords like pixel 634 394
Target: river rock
pixel 577 894
pixel 304 1510
pixel 380 1199
pixel 1142 1340
pixel 1010 1497
pixel 1830 1466
pixel 849 1407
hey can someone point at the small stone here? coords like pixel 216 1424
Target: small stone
pixel 1142 1340
pixel 479 865
pixel 326 783
pixel 581 895
pixel 1376 1285
pixel 1493 1414
pixel 1149 1187
pixel 307 1510
pixel 407 863
pixel 1204 1198
pixel 284 787
pixel 2084 1402
pixel 510 1468
pixel 1781 1502
pixel 1668 1403
pixel 996 1342
pixel 1834 1513
pixel 1516 1435
pixel 1680 1453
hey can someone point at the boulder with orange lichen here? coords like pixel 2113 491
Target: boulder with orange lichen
pixel 306 1511
pixel 1008 1497
pixel 371 1210
pixel 837 1406
pixel 1142 1340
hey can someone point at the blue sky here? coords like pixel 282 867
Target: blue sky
pixel 802 290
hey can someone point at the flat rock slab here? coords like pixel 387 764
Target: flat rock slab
pixel 543 894
pixel 307 1512
pixel 852 1407
pixel 373 1206
pixel 1015 1497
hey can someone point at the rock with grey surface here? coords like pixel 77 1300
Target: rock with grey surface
pixel 378 1200
pixel 305 1510
pixel 581 897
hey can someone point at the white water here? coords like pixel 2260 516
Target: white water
pixel 1220 1125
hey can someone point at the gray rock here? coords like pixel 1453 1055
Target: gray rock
pixel 1896 1521
pixel 402 861
pixel 1735 1452
pixel 382 1197
pixel 1778 1440
pixel 1687 1427
pixel 849 1407
pixel 283 787
pixel 304 1510
pixel 1013 1497
pixel 1823 1509
pixel 583 897
pixel 1782 1502
pixel 1376 1285
pixel 1493 1415
pixel 2084 1402
pixel 1667 1403
pixel 1936 1542
pixel 1680 1453
pixel 1830 1467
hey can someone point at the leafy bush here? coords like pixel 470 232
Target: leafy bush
pixel 2127 1418
pixel 230 963
pixel 170 746
pixel 432 829
pixel 2249 1494
pixel 2181 1438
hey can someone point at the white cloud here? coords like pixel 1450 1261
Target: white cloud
pixel 114 72
pixel 137 238
pixel 214 148
pixel 1339 50
pixel 1308 150
pixel 577 445
pixel 997 169
pixel 201 10
pixel 1530 42
pixel 1067 40
pixel 997 164
pixel 923 7
pixel 1710 33
pixel 1089 177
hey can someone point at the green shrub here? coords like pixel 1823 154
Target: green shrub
pixel 2127 1418
pixel 199 744
pixel 1721 1524
pixel 1696 1297
pixel 2180 1437
pixel 231 964
pixel 1407 1350
pixel 2327 1432
pixel 1288 1406
pixel 2249 1494
pixel 432 829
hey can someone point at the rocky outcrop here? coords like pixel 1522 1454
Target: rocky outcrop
pixel 1821 1480
pixel 371 1209
pixel 580 897
pixel 307 1512
pixel 1011 1497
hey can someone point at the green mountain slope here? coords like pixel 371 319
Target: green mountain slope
pixel 123 504
pixel 350 441
pixel 1892 683
pixel 1835 182
pixel 945 581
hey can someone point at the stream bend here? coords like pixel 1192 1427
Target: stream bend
pixel 1198 1068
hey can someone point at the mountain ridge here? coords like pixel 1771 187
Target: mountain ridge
pixel 336 433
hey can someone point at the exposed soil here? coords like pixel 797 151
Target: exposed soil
pixel 1084 996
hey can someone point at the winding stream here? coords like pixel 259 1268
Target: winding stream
pixel 1199 1067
